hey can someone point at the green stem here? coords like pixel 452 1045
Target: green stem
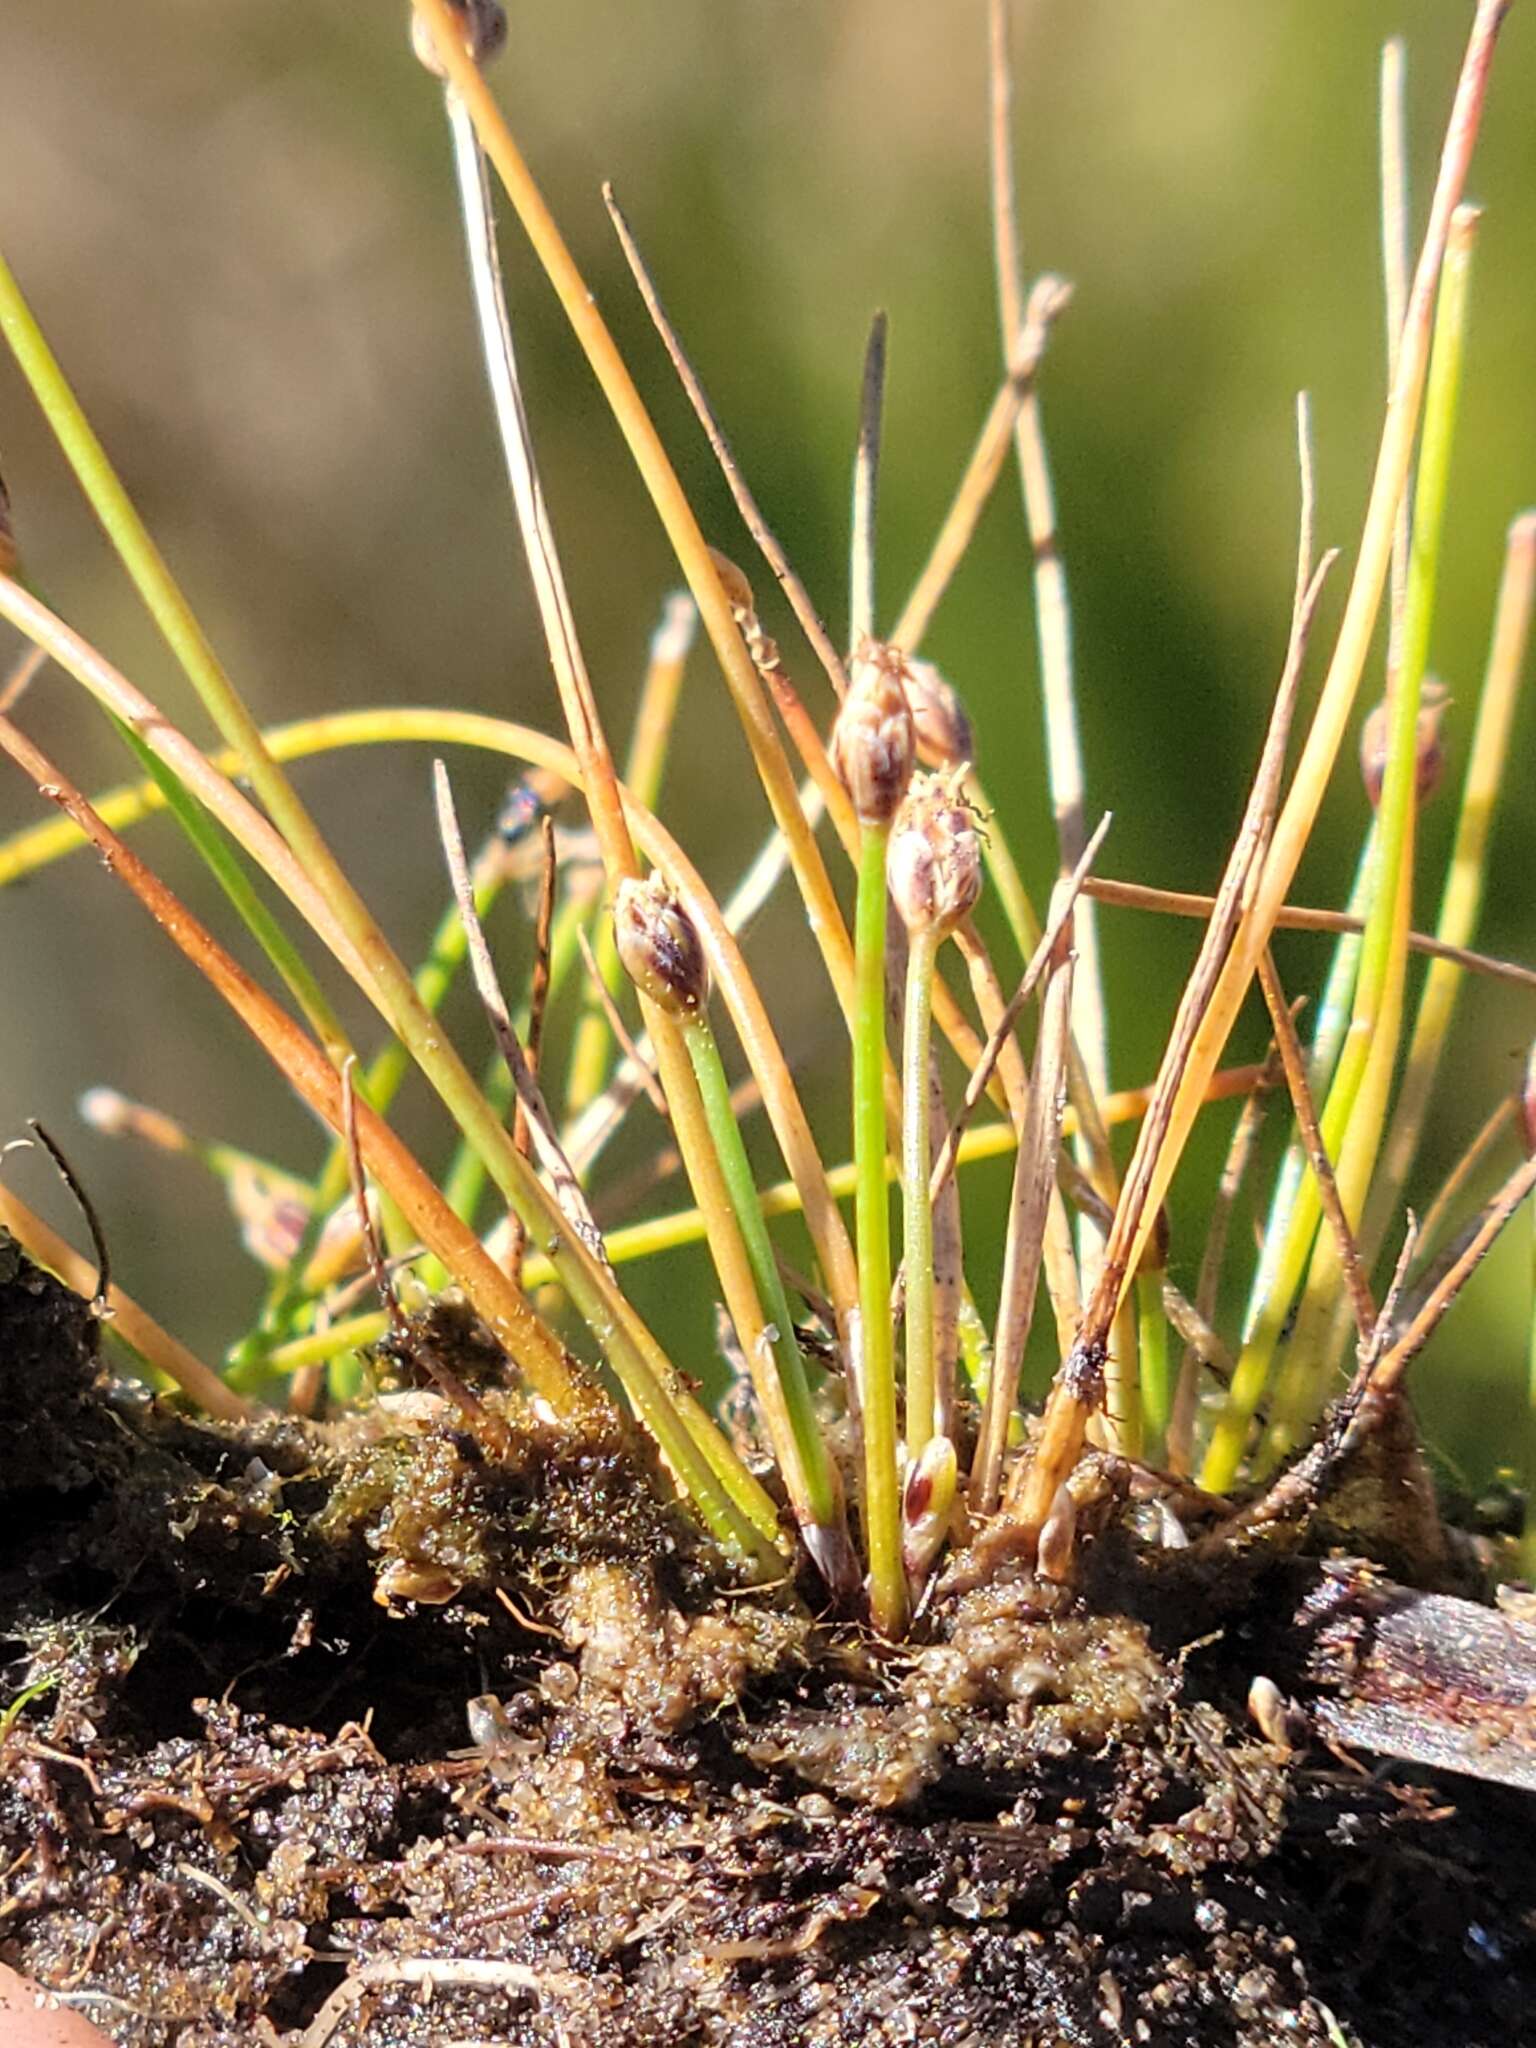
pixel 1328 1036
pixel 882 1502
pixel 1156 1389
pixel 917 1213
pixel 1385 938
pixel 694 1447
pixel 1462 898
pixel 821 1491
pixel 237 886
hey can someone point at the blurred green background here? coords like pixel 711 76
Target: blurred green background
pixel 236 225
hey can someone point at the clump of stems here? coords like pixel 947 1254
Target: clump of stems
pixel 874 747
pixel 891 1420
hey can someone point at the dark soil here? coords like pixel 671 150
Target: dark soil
pixel 355 1733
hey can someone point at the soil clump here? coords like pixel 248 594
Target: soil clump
pixel 325 1734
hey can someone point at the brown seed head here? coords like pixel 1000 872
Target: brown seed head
pixel 873 742
pixel 1430 757
pixel 934 865
pixel 940 720
pixel 485 33
pixel 659 945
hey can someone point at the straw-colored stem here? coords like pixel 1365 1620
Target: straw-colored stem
pixel 767 542
pixel 1059 1258
pixel 667 494
pixel 1033 1184
pixel 475 122
pixel 1333 1013
pixel 632 1350
pixel 1454 1186
pixel 1465 877
pixel 184 635
pixel 292 969
pixel 648 747
pixel 659 1234
pixel 917 1214
pixel 1302 917
pixel 1396 228
pixel 1294 825
pixel 1346 1259
pixel 1368 1062
pixel 1053 614
pixel 1312 1354
pixel 725 1495
pixel 1179 1446
pixel 775 1360
pixel 364 945
pixel 877 1382
pixel 380 1084
pixel 1047 300
pixel 442 727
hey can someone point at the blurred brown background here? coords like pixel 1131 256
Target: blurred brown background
pixel 236 225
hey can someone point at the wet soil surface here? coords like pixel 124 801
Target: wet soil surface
pixel 325 1735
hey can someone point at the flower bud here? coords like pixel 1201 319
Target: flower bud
pixel 737 589
pixel 934 865
pixel 659 945
pixel 1528 1101
pixel 928 1502
pixel 1058 1537
pixel 484 30
pixel 1429 758
pixel 873 742
pixel 940 720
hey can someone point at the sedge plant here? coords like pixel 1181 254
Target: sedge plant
pixel 886 1394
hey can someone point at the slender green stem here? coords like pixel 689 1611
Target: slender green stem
pixel 305 867
pixel 882 1493
pixel 819 1486
pixel 290 1295
pixel 642 778
pixel 917 1212
pixel 1333 1013
pixel 237 886
pixel 1152 1344
pixel 1370 1043
pixel 1383 960
pixel 1463 894
pixel 1293 827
